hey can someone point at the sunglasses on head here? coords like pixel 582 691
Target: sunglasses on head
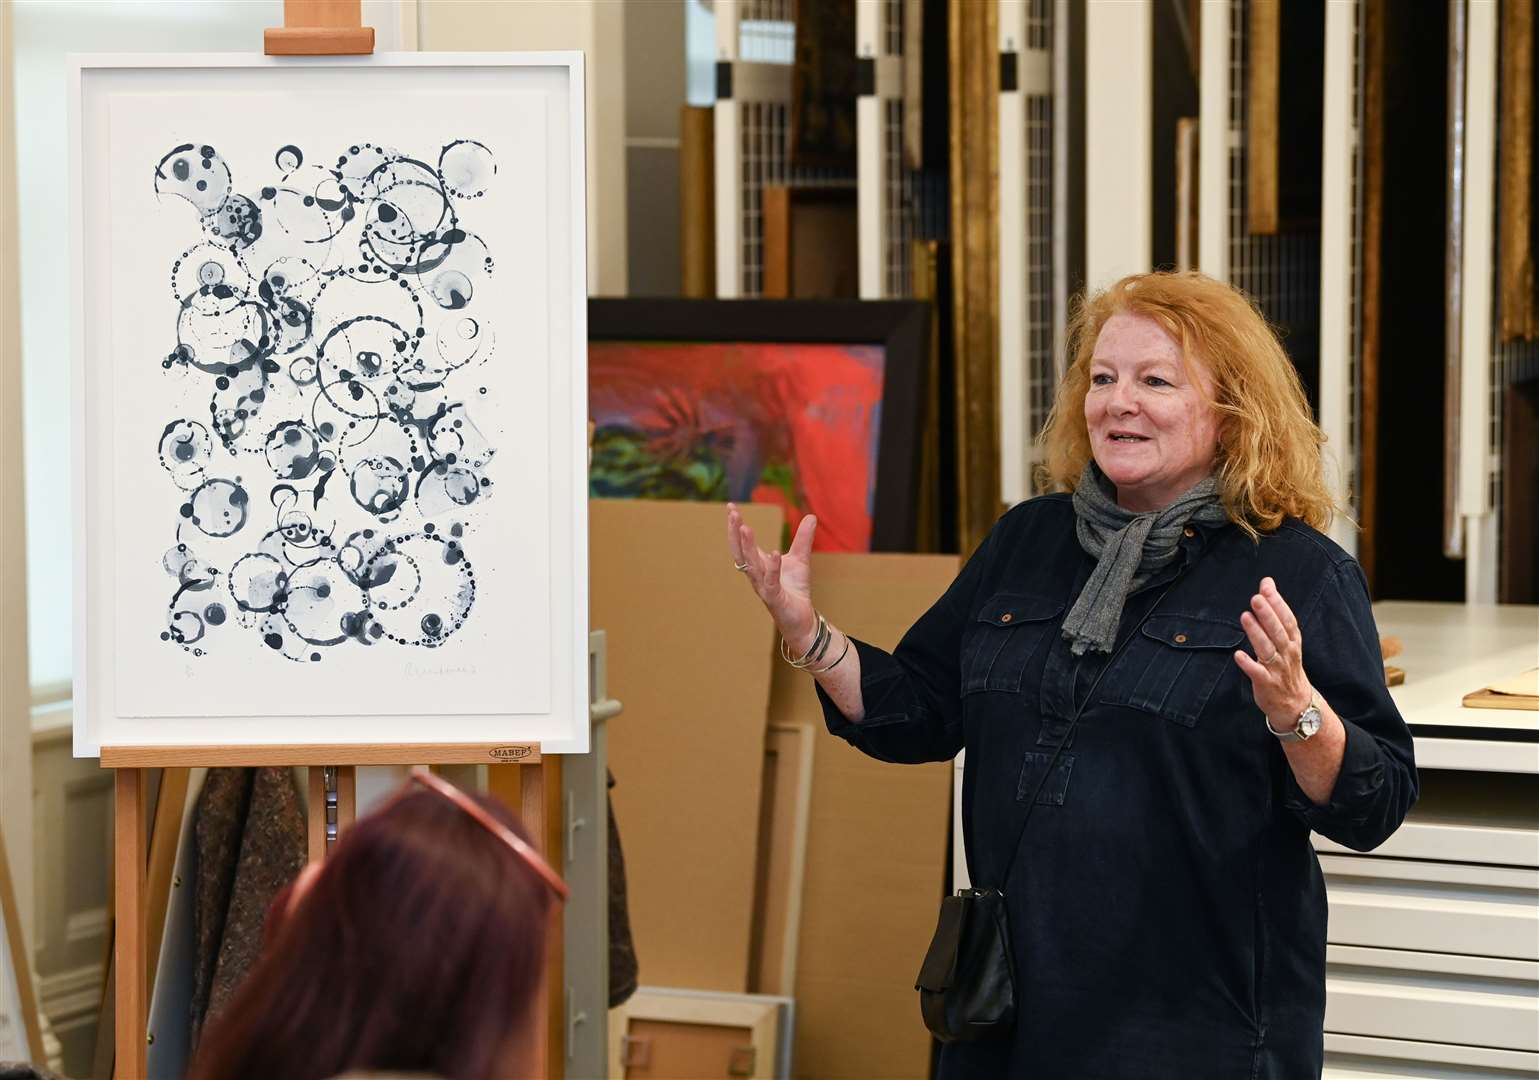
pixel 523 850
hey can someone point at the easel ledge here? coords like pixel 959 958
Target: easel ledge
pixel 145 757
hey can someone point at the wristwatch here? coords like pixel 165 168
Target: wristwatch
pixel 1308 723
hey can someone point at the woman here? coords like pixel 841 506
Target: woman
pixel 1166 909
pixel 417 948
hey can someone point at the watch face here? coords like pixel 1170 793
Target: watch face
pixel 1309 723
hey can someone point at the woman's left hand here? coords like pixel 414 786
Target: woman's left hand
pixel 1276 672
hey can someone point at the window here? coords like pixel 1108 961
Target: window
pixel 45 31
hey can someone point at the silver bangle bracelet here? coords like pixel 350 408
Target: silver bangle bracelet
pixel 820 641
pixel 843 653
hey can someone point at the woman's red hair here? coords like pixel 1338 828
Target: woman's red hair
pixel 419 948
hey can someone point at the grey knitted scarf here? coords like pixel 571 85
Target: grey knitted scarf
pixel 1129 548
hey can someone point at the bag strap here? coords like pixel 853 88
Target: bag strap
pixel 1073 722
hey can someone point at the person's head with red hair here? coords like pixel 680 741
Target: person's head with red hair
pixel 417 947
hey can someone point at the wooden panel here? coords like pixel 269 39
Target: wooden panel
pixel 932 283
pixel 690 649
pixel 776 201
pixel 1519 290
pixel 876 830
pixel 117 757
pixel 1432 907
pixel 1264 72
pixel 973 71
pixel 697 200
pixel 1286 100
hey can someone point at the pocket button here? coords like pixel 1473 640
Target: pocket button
pixel 1180 639
pixel 1006 617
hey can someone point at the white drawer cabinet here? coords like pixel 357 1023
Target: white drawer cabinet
pixel 1432 966
pixel 1433 907
pixel 1433 997
pixel 1360 1057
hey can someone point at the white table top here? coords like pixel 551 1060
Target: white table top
pixel 1455 649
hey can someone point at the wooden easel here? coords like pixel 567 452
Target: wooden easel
pixel 530 785
pixel 518 773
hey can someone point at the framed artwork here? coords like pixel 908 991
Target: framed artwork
pixel 330 436
pixel 808 404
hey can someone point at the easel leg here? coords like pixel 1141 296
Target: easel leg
pixel 343 797
pixel 553 835
pixel 531 806
pixel 535 792
pixel 315 813
pixel 128 827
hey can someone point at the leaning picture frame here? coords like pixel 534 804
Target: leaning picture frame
pixel 814 405
pixel 329 411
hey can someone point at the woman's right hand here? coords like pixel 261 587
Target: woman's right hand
pixel 782 582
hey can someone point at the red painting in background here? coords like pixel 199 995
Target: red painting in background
pixel 795 425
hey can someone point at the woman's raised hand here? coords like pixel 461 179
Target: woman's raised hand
pixel 1276 673
pixel 783 582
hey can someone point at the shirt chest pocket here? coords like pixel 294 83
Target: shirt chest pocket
pixel 1008 632
pixel 1172 666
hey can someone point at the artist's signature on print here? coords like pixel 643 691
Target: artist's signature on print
pixel 444 671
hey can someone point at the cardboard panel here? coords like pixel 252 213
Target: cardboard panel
pixel 876 847
pixel 690 649
pixel 783 820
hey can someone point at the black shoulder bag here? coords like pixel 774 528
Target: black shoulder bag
pixel 967 981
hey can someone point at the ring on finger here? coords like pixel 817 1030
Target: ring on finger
pixel 1268 661
pixel 740 567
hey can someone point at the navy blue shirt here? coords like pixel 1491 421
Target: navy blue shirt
pixel 1167 911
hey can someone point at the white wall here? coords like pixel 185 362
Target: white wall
pixel 1119 45
pixel 596 27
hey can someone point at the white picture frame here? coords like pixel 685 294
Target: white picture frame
pixel 309 650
